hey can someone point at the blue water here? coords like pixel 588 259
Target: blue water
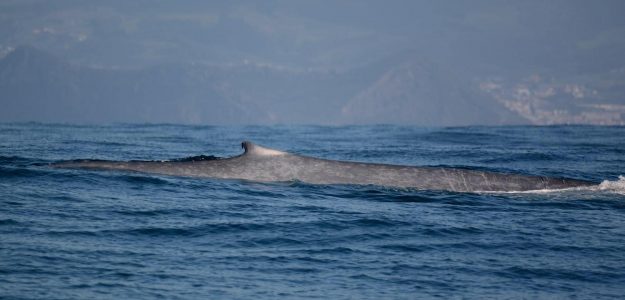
pixel 67 234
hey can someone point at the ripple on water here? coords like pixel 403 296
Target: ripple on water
pixel 89 234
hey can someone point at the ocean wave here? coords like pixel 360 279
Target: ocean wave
pixel 150 213
pixel 556 273
pixel 6 160
pixel 153 235
pixel 142 179
pixel 616 186
pixel 532 157
pixel 183 231
pixel 23 172
pixel 6 222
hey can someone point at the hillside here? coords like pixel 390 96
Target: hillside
pixel 403 89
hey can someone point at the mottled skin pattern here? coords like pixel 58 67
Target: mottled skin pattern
pixel 268 165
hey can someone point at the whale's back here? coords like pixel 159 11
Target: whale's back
pixel 263 164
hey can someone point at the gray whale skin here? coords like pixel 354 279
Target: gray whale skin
pixel 268 165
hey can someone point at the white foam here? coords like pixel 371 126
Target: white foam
pixel 616 186
pixel 612 186
pixel 543 191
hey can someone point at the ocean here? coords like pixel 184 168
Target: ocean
pixel 83 234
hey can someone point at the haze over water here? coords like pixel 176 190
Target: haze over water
pixel 427 63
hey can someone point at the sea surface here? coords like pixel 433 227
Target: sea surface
pixel 80 234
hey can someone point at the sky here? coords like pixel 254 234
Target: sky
pixel 429 63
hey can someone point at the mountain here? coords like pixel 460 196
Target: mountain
pixel 407 88
pixel 547 101
pixel 422 93
pixel 36 86
pixel 419 62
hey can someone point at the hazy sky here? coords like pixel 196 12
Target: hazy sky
pixel 332 62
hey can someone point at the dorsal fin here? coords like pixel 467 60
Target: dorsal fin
pixel 251 148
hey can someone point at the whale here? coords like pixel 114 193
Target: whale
pixel 262 164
